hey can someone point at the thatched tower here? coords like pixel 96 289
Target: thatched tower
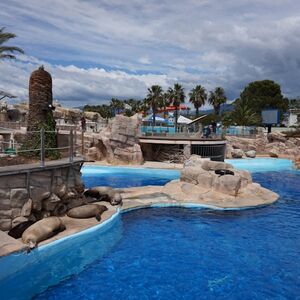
pixel 40 98
pixel 40 115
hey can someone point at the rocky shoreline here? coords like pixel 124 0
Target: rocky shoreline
pixel 202 183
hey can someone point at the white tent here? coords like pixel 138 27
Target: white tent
pixel 183 120
pixel 157 119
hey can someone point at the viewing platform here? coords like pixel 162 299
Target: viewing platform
pixel 213 148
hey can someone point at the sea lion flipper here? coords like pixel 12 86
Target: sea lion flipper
pixel 98 217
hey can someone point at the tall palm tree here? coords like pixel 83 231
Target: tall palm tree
pixel 153 98
pixel 6 51
pixel 198 97
pixel 177 97
pixel 117 105
pixel 217 98
pixel 165 101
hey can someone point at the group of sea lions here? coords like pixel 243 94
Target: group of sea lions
pixel 34 232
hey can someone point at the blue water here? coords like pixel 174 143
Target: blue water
pixel 125 177
pixel 262 164
pixel 179 253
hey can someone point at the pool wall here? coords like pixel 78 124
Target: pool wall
pixel 23 187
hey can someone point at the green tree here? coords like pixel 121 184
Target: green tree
pixel 265 94
pixel 104 110
pixel 216 99
pixel 198 97
pixel 242 115
pixel 153 98
pixel 117 105
pixel 7 51
pixel 164 102
pixel 177 97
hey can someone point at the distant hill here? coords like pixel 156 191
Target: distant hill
pixel 224 108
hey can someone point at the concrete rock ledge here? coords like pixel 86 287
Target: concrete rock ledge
pixel 199 184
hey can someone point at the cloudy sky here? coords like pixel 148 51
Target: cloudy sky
pixel 100 49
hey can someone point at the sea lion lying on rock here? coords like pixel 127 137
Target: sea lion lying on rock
pixel 17 231
pixel 87 211
pixel 42 230
pixel 103 193
pixel 222 172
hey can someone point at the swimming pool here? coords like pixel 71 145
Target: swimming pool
pixel 126 176
pixel 177 253
pixel 261 164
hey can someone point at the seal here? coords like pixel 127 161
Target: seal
pixel 17 231
pixel 222 172
pixel 42 230
pixel 87 211
pixel 103 193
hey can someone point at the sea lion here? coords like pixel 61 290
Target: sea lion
pixel 17 231
pixel 42 230
pixel 116 199
pixel 102 194
pixel 222 172
pixel 87 211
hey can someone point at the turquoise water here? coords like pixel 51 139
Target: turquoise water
pixel 126 177
pixel 262 164
pixel 173 253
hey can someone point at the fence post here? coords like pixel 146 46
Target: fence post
pixel 71 148
pixel 75 142
pixel 42 136
pixel 82 142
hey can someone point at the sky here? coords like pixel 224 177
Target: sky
pixel 96 50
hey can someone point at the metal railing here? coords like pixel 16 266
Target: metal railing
pixel 12 147
pixel 214 152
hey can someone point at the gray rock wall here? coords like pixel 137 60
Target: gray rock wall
pixel 36 193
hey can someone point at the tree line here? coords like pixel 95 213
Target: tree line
pixel 157 99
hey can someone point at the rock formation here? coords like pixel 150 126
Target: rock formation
pixel 274 144
pixel 118 143
pixel 199 184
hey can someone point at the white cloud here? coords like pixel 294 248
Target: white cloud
pixel 78 85
pixel 96 49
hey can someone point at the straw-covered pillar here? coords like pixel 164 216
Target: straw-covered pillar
pixel 40 115
pixel 40 98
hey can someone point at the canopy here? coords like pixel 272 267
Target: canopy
pixel 183 120
pixel 157 119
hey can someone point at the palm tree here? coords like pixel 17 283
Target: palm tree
pixel 165 101
pixel 198 97
pixel 177 97
pixel 153 98
pixel 243 114
pixel 217 98
pixel 6 51
pixel 117 105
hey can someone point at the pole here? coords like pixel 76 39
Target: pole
pixel 82 142
pixel 71 148
pixel 42 135
pixel 75 141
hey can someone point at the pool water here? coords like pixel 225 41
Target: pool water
pixel 262 164
pixel 180 253
pixel 125 177
pixel 173 253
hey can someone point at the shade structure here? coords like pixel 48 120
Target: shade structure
pixel 157 119
pixel 183 120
